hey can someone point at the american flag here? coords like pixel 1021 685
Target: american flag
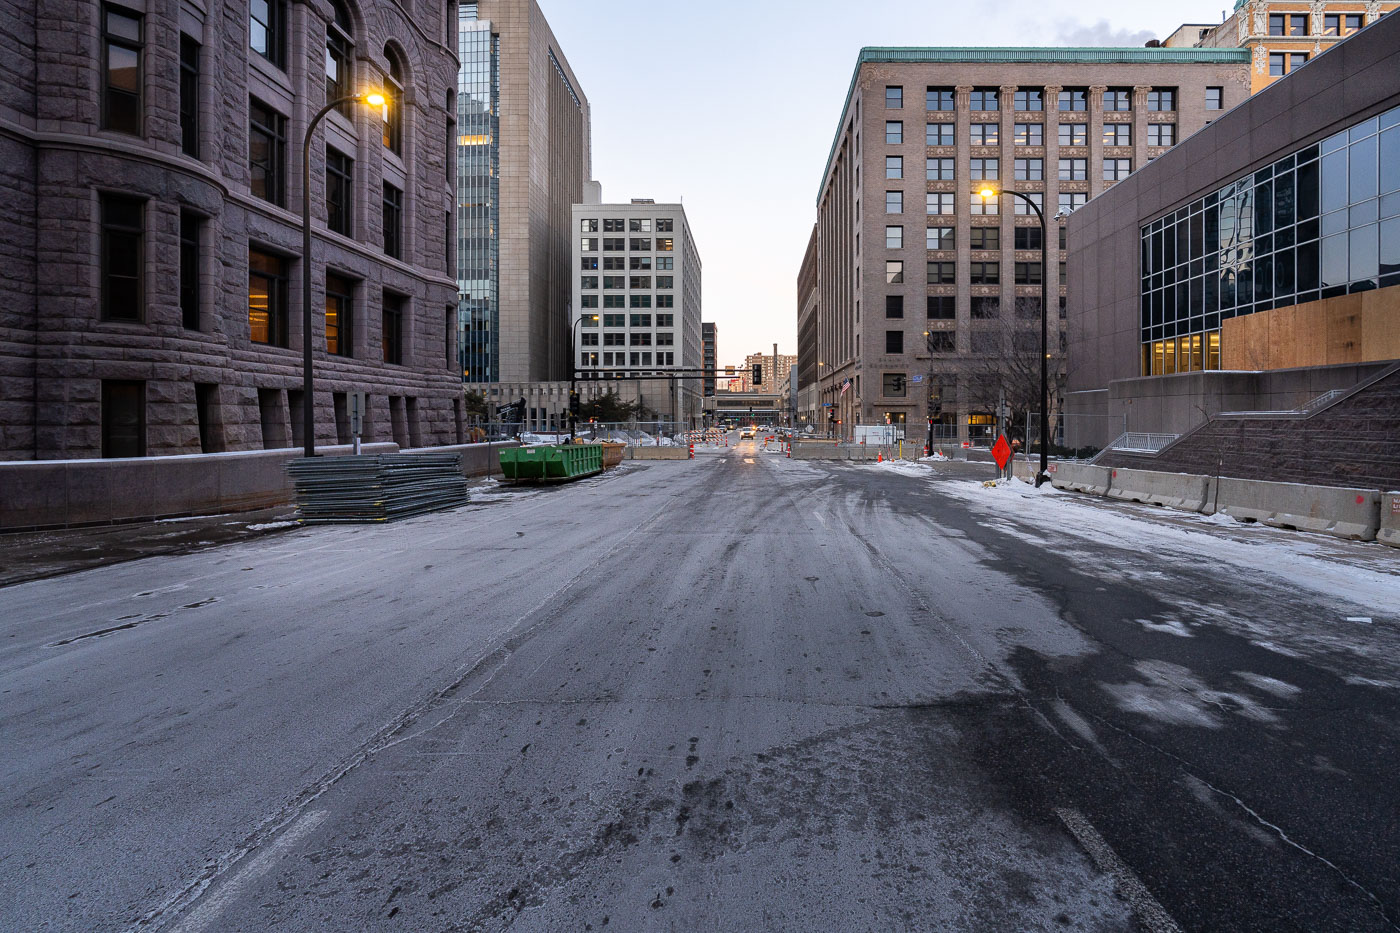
pixel 844 386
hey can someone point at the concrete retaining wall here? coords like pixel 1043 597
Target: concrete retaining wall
pixel 658 453
pixel 477 459
pixel 1389 532
pixel 1333 510
pixel 1175 490
pixel 1079 477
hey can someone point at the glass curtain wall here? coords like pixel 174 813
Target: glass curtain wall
pixel 478 199
pixel 1320 222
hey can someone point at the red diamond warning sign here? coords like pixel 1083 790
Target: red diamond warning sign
pixel 1001 451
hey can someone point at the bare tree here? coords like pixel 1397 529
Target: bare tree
pixel 1010 368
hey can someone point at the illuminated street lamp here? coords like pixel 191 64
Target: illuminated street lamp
pixel 308 407
pixel 573 372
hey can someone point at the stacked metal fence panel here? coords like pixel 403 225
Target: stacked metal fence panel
pixel 376 488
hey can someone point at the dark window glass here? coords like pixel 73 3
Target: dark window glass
pixel 122 53
pixel 985 237
pixel 123 257
pixel 123 418
pixel 393 107
pixel 894 306
pixel 338 58
pixel 985 273
pixel 942 307
pixel 267 28
pixel 985 307
pixel 1029 237
pixel 894 341
pixel 267 298
pixel 340 315
pixel 1028 273
pixel 189 96
pixel 340 187
pixel 191 226
pixel 267 151
pixel 392 328
pixel 393 221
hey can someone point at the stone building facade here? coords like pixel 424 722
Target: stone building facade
pixel 925 294
pixel 150 160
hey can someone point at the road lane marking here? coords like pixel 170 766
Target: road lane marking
pixel 1151 914
pixel 819 517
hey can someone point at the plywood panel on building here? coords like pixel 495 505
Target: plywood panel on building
pixel 1342 316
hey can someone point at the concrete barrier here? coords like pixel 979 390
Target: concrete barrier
pixel 1334 510
pixel 477 459
pixel 1389 531
pixel 658 453
pixel 1174 490
pixel 1080 477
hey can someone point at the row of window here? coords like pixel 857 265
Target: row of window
pixel 635 263
pixel 985 238
pixel 636 320
pixel 1296 24
pixel 1032 134
pixel 665 244
pixel 981 272
pixel 663 339
pixel 633 225
pixel 1024 170
pixel 628 301
pixel 942 168
pixel 982 308
pixel 1068 99
pixel 590 282
pixel 641 358
pixel 946 341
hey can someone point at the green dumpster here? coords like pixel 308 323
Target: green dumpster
pixel 547 463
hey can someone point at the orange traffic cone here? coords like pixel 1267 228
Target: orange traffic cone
pixel 880 458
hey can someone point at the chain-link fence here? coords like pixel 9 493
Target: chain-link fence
pixel 1075 435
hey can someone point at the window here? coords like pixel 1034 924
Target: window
pixel 340 185
pixel 985 307
pixel 1117 99
pixel 1028 273
pixel 1074 134
pixel 1281 63
pixel 614 301
pixel 639 301
pixel 639 340
pixel 894 166
pixel 1030 169
pixel 942 308
pixel 191 229
pixel 665 262
pixel 894 306
pixel 189 96
pixel 588 301
pixel 1215 98
pixel 938 134
pixel 665 225
pixel 1023 209
pixel 1071 201
pixel 938 169
pixel 894 271
pixel 939 98
pixel 123 418
pixel 123 257
pixel 587 339
pixel 614 225
pixel 894 132
pixel 894 341
pixel 639 244
pixel 1340 24
pixel 981 205
pixel 985 134
pixel 1027 99
pixel 1117 134
pixel 615 282
pixel 267 298
pixel 985 238
pixel 984 273
pixel 639 225
pixel 639 281
pixel 1074 99
pixel 267 145
pixel 894 238
pixel 639 263
pixel 588 244
pixel 942 341
pixel 1161 99
pixel 1288 24
pixel 1117 169
pixel 984 98
pixel 985 168
pixel 340 318
pixel 894 202
pixel 939 237
pixel 665 320
pixel 942 273
pixel 1074 169
pixel 894 98
pixel 893 385
pixel 391 328
pixel 121 89
pixel 614 320
pixel 614 244
pixel 588 225
pixel 588 282
pixel 665 301
pixel 939 202
pixel 1161 134
pixel 392 113
pixel 665 245
pixel 665 281
pixel 267 21
pixel 338 56
pixel 393 221
pixel 1027 238
pixel 1030 134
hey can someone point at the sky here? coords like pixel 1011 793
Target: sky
pixel 731 107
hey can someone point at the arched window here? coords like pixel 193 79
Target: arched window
pixel 339 40
pixel 393 95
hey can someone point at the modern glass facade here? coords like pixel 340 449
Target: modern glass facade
pixel 1320 222
pixel 478 199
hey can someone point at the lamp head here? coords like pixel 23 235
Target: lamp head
pixel 375 99
pixel 988 192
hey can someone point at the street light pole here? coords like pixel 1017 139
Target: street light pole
pixel 1041 473
pixel 308 409
pixel 573 371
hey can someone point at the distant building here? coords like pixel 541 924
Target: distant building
pixel 150 207
pixel 709 339
pixel 774 370
pixel 808 400
pixel 637 301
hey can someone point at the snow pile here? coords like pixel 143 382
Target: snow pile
pixel 902 467
pixel 272 526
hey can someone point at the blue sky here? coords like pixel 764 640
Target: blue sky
pixel 731 106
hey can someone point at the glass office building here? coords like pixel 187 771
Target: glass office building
pixel 1321 222
pixel 478 199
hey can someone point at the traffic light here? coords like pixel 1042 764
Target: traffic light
pixel 573 402
pixel 758 374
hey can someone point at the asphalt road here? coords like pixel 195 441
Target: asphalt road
pixel 737 693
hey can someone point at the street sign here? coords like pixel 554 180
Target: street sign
pixel 1001 451
pixel 357 412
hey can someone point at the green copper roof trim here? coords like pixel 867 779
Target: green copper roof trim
pixel 1044 56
